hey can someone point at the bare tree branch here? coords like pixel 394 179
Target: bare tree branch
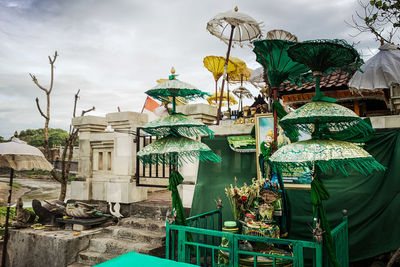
pixel 52 70
pixel 88 110
pixel 37 83
pixel 75 101
pixel 40 110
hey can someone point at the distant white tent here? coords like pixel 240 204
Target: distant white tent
pixel 379 72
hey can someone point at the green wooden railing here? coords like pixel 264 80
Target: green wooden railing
pixel 200 244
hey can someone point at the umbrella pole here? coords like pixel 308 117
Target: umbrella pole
pixel 3 258
pixel 275 90
pixel 227 88
pixel 225 72
pixel 216 93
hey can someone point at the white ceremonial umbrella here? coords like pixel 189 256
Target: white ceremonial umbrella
pixel 243 28
pixel 18 155
pixel 380 71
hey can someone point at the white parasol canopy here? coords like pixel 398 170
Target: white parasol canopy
pixel 379 72
pixel 246 28
pixel 232 27
pixel 18 155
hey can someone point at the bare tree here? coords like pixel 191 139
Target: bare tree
pixel 67 153
pixel 381 18
pixel 46 115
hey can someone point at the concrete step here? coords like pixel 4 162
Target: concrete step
pixel 119 246
pixel 90 258
pixel 150 210
pixel 78 265
pixel 142 223
pixel 137 235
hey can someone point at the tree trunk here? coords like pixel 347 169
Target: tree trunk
pixel 63 191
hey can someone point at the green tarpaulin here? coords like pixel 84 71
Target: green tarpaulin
pixel 373 201
pixel 214 177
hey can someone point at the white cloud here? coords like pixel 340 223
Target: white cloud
pixel 116 50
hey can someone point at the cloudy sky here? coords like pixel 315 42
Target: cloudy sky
pixel 116 50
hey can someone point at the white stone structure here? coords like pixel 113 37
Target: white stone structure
pixel 107 159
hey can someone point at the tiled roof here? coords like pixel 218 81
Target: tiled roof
pixel 335 79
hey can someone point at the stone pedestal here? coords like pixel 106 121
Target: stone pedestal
pixel 203 112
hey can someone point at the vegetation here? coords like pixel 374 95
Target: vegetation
pixel 379 17
pixel 35 137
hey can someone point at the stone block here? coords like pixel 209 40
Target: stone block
pixel 90 123
pixel 189 170
pixel 125 192
pixel 99 191
pixel 193 109
pixel 38 248
pixel 232 129
pixel 80 227
pixel 79 190
pixel 187 195
pixel 126 120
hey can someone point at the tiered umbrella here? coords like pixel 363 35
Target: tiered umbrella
pixel 325 120
pixel 175 146
pixel 243 28
pixel 17 155
pixel 279 67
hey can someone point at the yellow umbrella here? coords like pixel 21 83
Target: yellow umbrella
pixel 242 72
pixel 215 65
pixel 212 99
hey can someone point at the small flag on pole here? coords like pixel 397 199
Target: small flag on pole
pixel 150 104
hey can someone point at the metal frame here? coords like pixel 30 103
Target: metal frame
pixel 199 243
pixel 154 170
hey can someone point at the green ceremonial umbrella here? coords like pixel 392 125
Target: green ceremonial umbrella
pixel 325 56
pixel 279 67
pixel 177 124
pixel 325 120
pixel 175 147
pixel 176 150
pixel 322 156
pixel 175 88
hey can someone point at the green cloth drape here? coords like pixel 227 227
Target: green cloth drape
pixel 214 177
pixel 373 201
pixel 176 179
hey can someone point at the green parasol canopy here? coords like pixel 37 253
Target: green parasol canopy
pixel 326 154
pixel 176 149
pixel 324 120
pixel 273 56
pixel 177 124
pixel 175 88
pixel 325 56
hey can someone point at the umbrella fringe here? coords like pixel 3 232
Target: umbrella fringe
pixel 182 130
pixel 184 157
pixel 189 94
pixel 335 125
pixel 363 165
